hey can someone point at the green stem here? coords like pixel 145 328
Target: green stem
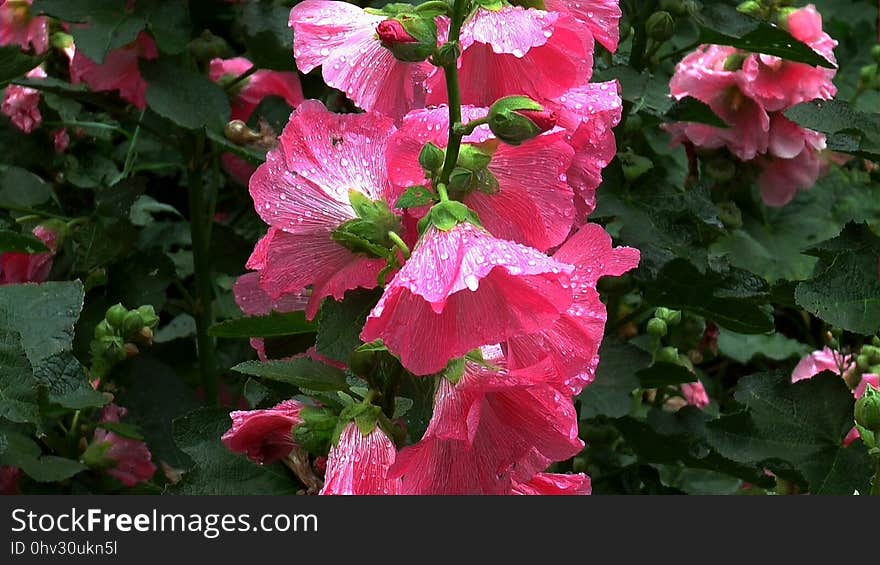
pixel 399 243
pixel 459 12
pixel 468 128
pixel 231 84
pixel 201 248
pixel 31 212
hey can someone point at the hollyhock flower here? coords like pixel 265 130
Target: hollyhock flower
pixel 9 477
pixel 119 70
pixel 21 104
pixel 341 38
pixel 549 484
pixel 264 436
pixel 517 51
pixel 492 431
pixel 19 27
pixel 702 75
pixel 29 267
pixel 572 342
pixel 601 17
pixel 823 360
pixel 130 457
pixel 358 464
pixel 695 394
pixel 462 289
pixel 252 90
pixel 778 84
pixel 533 204
pixel 793 161
pixel 302 191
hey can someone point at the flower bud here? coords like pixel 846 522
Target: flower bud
pixel 660 26
pixel 148 314
pixel 868 73
pixel 447 55
pixel 207 46
pixel 867 411
pixel 132 323
pixel 103 330
pixel 750 7
pixel 515 119
pixel 115 315
pixel 410 38
pixel 668 355
pixel 734 62
pixel 657 327
pixel 671 317
pixel 431 158
pixel 239 133
pixel 863 362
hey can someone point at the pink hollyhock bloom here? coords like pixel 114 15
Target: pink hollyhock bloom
pixel 359 464
pixel 695 394
pixel 264 436
pixel 18 268
pixel 302 191
pixel 131 456
pixel 492 430
pixel 517 51
pixel 549 484
pixel 119 70
pixel 702 75
pixel 61 140
pixel 822 360
pixel 778 84
pixel 463 289
pixel 793 161
pixel 22 104
pixel 341 38
pixel 589 113
pixel 259 85
pixel 533 205
pixel 601 17
pixel 19 27
pixel 9 477
pixel 572 342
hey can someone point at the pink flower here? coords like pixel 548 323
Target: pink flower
pixel 549 484
pixel 533 205
pixel 254 301
pixel 601 17
pixel 518 51
pixel 131 457
pixel 778 84
pixel 492 430
pixel 9 477
pixel 341 39
pixel 822 360
pixel 572 342
pixel 695 394
pixel 19 27
pixel 358 464
pixel 61 140
pixel 21 104
pixel 302 191
pixel 264 436
pixel 18 268
pixel 462 289
pixel 254 89
pixel 119 70
pixel 793 161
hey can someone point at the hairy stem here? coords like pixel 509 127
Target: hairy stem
pixel 459 12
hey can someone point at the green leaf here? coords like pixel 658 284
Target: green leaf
pixel 274 110
pixel 16 242
pixel 698 481
pixel 184 97
pixel 14 63
pixel 122 429
pixel 18 389
pixel 844 290
pixel 108 23
pixel 218 471
pixel 664 374
pixel 610 394
pixel 744 348
pixel 692 110
pixel 66 382
pixel 274 325
pixel 301 372
pixel 168 22
pixel 721 24
pixel 415 197
pixel 267 36
pixel 44 315
pixel 24 453
pixel 340 324
pixel 802 424
pixel 183 325
pixel 732 300
pixel 848 129
pixel 20 188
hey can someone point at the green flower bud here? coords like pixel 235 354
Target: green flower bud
pixel 863 362
pixel 867 411
pixel 431 158
pixel 473 158
pixel 208 46
pixel 868 73
pixel 750 7
pixel 115 315
pixel 660 26
pixel 316 430
pixel 132 323
pixel 514 119
pixel 675 7
pixel 446 215
pixel 103 330
pixel 447 55
pixel 409 37
pixel 657 327
pixel 148 313
pixel 668 355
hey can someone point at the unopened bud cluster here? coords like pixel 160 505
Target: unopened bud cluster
pixel 118 335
